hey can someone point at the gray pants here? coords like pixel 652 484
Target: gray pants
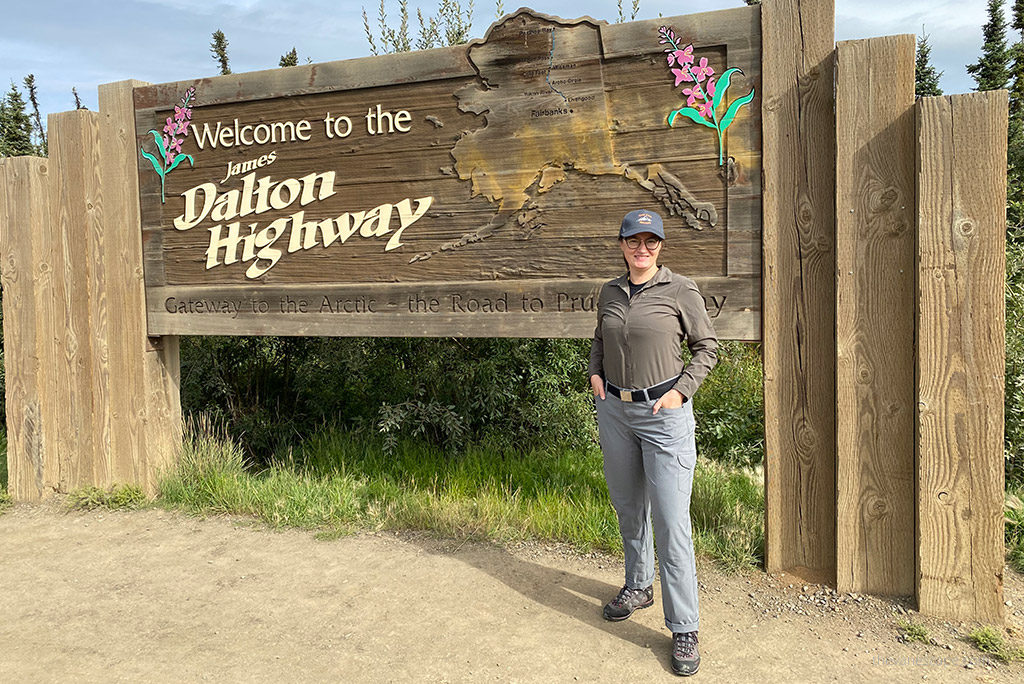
pixel 648 464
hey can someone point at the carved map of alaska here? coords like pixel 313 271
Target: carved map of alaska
pixel 542 94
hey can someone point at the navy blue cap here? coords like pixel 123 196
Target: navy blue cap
pixel 642 221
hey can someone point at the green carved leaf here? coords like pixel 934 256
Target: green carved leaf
pixel 159 144
pixel 177 160
pixel 730 113
pixel 157 166
pixel 691 114
pixel 721 86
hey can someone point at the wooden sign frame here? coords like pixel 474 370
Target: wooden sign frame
pixel 474 190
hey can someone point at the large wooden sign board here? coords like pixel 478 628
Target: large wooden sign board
pixel 473 190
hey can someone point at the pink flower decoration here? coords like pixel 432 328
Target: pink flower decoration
pixel 171 154
pixel 682 76
pixel 704 108
pixel 684 56
pixel 170 128
pixel 691 95
pixel 182 113
pixel 702 70
pixel 176 144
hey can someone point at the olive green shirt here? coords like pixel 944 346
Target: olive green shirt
pixel 638 342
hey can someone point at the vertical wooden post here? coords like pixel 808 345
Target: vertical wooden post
pixel 876 243
pixel 31 456
pixel 142 374
pixel 74 193
pixel 961 183
pixel 799 285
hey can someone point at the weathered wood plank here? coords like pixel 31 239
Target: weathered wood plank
pixel 145 410
pixel 96 292
pixel 799 285
pixel 875 253
pixel 24 212
pixel 73 167
pixel 489 309
pixel 961 184
pixel 528 160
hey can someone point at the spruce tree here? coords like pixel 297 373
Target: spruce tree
pixel 289 59
pixel 926 78
pixel 37 119
pixel 991 71
pixel 1015 133
pixel 15 125
pixel 219 49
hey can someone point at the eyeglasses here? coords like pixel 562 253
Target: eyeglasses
pixel 652 244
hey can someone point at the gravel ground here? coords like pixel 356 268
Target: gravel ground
pixel 158 596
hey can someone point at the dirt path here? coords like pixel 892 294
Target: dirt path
pixel 154 596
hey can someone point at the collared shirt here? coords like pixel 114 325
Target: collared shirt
pixel 638 340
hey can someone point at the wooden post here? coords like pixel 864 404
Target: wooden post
pixel 875 274
pixel 69 354
pixel 799 286
pixel 91 399
pixel 31 456
pixel 141 374
pixel 961 184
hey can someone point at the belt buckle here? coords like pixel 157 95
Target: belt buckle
pixel 625 395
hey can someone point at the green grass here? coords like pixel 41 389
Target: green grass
pixel 1014 527
pixel 128 497
pixel 337 482
pixel 913 631
pixel 990 640
pixel 5 498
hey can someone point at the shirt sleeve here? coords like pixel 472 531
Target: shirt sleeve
pixel 596 366
pixel 700 338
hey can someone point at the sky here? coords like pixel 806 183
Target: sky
pixel 85 44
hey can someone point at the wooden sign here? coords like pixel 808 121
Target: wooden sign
pixel 473 190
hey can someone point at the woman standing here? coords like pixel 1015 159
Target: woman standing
pixel 646 424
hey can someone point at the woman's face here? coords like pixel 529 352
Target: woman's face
pixel 641 257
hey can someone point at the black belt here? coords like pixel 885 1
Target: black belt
pixel 649 394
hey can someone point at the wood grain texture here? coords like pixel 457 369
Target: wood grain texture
pixel 799 285
pixel 531 146
pixel 145 422
pixel 961 183
pixel 539 308
pixel 74 166
pixel 24 204
pixel 875 272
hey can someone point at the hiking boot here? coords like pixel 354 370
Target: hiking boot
pixel 685 658
pixel 628 600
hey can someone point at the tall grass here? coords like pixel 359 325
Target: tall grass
pixel 5 498
pixel 337 482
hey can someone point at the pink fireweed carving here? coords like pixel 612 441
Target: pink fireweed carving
pixel 703 94
pixel 169 144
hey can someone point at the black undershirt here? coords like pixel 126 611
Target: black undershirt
pixel 634 288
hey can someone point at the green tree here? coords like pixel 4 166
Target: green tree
pixel 992 70
pixel 634 11
pixel 15 125
pixel 289 59
pixel 1015 132
pixel 926 78
pixel 219 50
pixel 451 26
pixel 39 133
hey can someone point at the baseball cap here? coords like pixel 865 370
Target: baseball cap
pixel 642 221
